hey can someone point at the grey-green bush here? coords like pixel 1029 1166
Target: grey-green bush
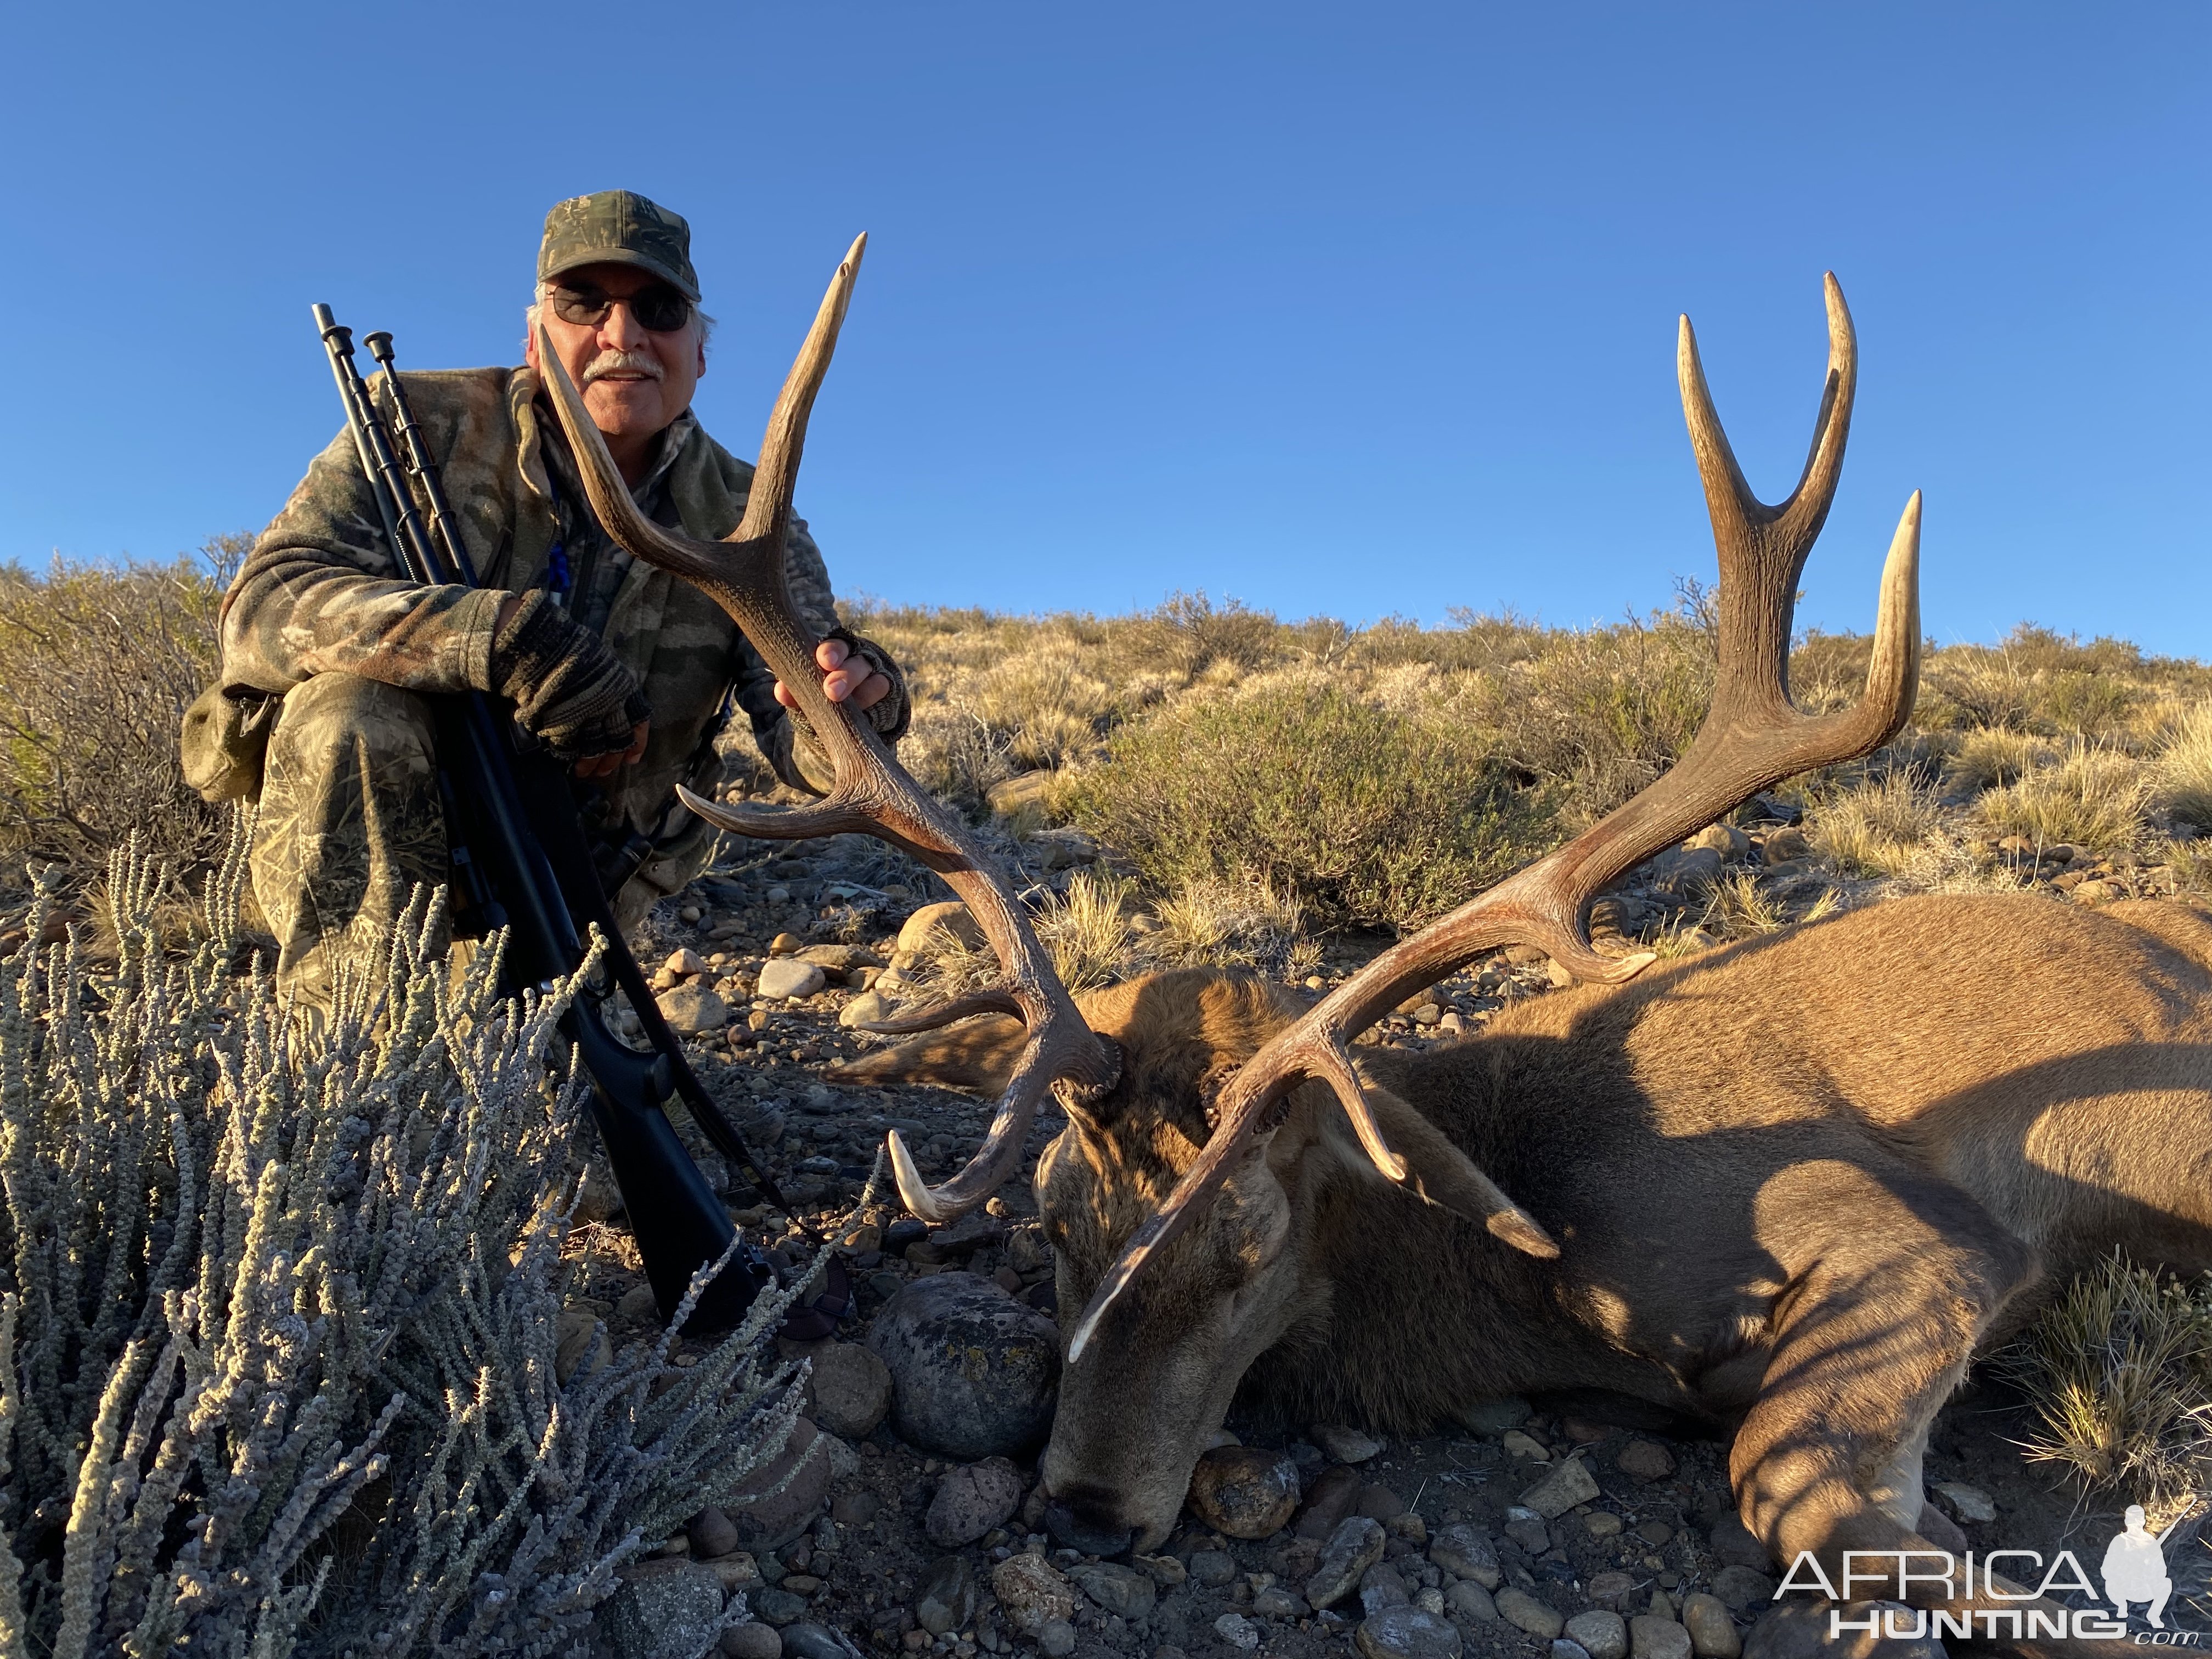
pixel 278 1310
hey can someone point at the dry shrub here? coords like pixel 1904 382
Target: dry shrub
pixel 2093 797
pixel 1605 712
pixel 1876 827
pixel 1194 633
pixel 1365 817
pixel 98 664
pixel 1050 707
pixel 2119 1375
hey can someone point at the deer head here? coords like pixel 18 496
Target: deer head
pixel 1182 1203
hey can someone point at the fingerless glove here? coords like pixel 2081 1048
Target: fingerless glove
pixel 569 691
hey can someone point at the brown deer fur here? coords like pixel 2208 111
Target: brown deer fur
pixel 1797 1183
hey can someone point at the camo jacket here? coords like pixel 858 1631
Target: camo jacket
pixel 322 590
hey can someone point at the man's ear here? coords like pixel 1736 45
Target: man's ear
pixel 530 337
pixel 1436 1171
pixel 977 1054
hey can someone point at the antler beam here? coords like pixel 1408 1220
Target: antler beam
pixel 871 794
pixel 1752 737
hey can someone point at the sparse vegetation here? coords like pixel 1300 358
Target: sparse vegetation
pixel 2091 797
pixel 2119 1374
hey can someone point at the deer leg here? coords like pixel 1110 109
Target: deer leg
pixel 1890 1282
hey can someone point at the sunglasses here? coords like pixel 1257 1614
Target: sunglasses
pixel 658 309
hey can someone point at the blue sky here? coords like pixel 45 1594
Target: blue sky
pixel 1359 310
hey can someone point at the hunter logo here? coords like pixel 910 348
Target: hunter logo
pixel 2134 1571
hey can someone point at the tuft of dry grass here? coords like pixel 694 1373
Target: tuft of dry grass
pixel 2184 769
pixel 2119 1375
pixel 2093 796
pixel 1207 920
pixel 1876 827
pixel 1989 757
pixel 1087 930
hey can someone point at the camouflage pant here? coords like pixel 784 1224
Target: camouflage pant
pixel 351 824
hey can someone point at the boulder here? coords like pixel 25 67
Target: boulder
pixel 974 1373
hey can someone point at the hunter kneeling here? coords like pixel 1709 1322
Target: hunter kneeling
pixel 619 668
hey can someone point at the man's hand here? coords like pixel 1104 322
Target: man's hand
pixel 605 765
pixel 840 683
pixel 568 688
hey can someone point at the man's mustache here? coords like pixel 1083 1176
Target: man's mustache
pixel 623 362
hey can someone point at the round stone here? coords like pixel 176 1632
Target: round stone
pixel 668 1608
pixel 767 1519
pixel 789 976
pixel 1244 1492
pixel 693 1009
pixel 1712 1632
pixel 1603 1635
pixel 808 1640
pixel 946 1600
pixel 1644 1460
pixel 974 1373
pixel 1539 1618
pixel 852 1390
pixel 1650 1636
pixel 1057 1638
pixel 932 928
pixel 751 1640
pixel 971 1500
pixel 1032 1592
pixel 712 1534
pixel 1467 1603
pixel 1466 1551
pixel 1407 1632
pixel 1237 1631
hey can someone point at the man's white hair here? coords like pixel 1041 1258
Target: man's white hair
pixel 529 320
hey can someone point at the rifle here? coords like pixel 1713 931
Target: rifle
pixel 522 861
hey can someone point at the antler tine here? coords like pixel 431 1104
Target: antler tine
pixel 1752 737
pixel 872 793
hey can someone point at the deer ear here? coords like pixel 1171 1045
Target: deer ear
pixel 977 1054
pixel 1439 1173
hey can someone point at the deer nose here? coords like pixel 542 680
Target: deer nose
pixel 1071 1529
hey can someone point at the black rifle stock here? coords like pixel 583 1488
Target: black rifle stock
pixel 522 861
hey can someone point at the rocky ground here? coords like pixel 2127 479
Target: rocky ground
pixel 915 1526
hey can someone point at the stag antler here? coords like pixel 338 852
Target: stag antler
pixel 873 793
pixel 1752 738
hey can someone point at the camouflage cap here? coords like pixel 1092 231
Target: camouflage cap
pixel 618 227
